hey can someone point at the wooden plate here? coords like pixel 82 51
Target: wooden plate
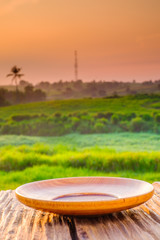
pixel 84 195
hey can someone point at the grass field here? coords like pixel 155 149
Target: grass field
pixel 61 117
pixel 124 104
pixel 134 142
pixel 99 139
pixel 25 159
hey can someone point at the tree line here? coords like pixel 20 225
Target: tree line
pixel 97 89
pixel 29 94
pixel 24 91
pixel 15 97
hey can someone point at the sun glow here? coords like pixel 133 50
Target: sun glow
pixel 115 40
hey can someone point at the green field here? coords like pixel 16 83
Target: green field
pixel 87 137
pixel 25 159
pixel 120 142
pixel 123 104
pixel 84 116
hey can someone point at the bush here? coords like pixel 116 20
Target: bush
pixel 138 125
pixel 156 128
pixel 114 119
pixel 99 127
pixel 57 115
pixel 128 116
pixel 84 127
pixel 124 125
pixel 107 115
pixel 146 117
pixel 19 118
pixel 75 123
pixel 103 120
pixel 65 118
pixel 157 118
pixel 5 129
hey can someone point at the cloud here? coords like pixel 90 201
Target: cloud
pixel 10 6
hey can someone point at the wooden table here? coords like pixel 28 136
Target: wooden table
pixel 19 222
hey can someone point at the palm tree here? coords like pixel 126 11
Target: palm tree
pixel 15 74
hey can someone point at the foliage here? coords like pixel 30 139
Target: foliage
pixel 96 158
pixel 16 74
pixel 85 116
pixel 16 97
pixel 19 118
pixel 138 125
pixel 3 101
pixel 114 119
pixel 26 163
pixel 81 116
pixel 157 118
pixel 59 124
pixel 14 179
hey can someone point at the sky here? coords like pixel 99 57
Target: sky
pixel 115 40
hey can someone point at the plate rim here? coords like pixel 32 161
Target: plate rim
pixel 78 202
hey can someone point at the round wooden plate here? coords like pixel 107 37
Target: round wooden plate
pixel 85 195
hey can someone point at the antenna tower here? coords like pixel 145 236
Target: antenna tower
pixel 76 65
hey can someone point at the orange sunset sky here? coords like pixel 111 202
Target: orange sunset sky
pixel 116 40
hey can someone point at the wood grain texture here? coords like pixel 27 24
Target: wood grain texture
pixel 19 222
pixel 85 195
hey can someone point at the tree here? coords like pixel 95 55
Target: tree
pixel 16 74
pixel 29 89
pixel 39 95
pixel 102 93
pixel 24 83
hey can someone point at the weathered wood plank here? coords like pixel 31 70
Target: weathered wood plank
pixel 142 222
pixel 19 222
